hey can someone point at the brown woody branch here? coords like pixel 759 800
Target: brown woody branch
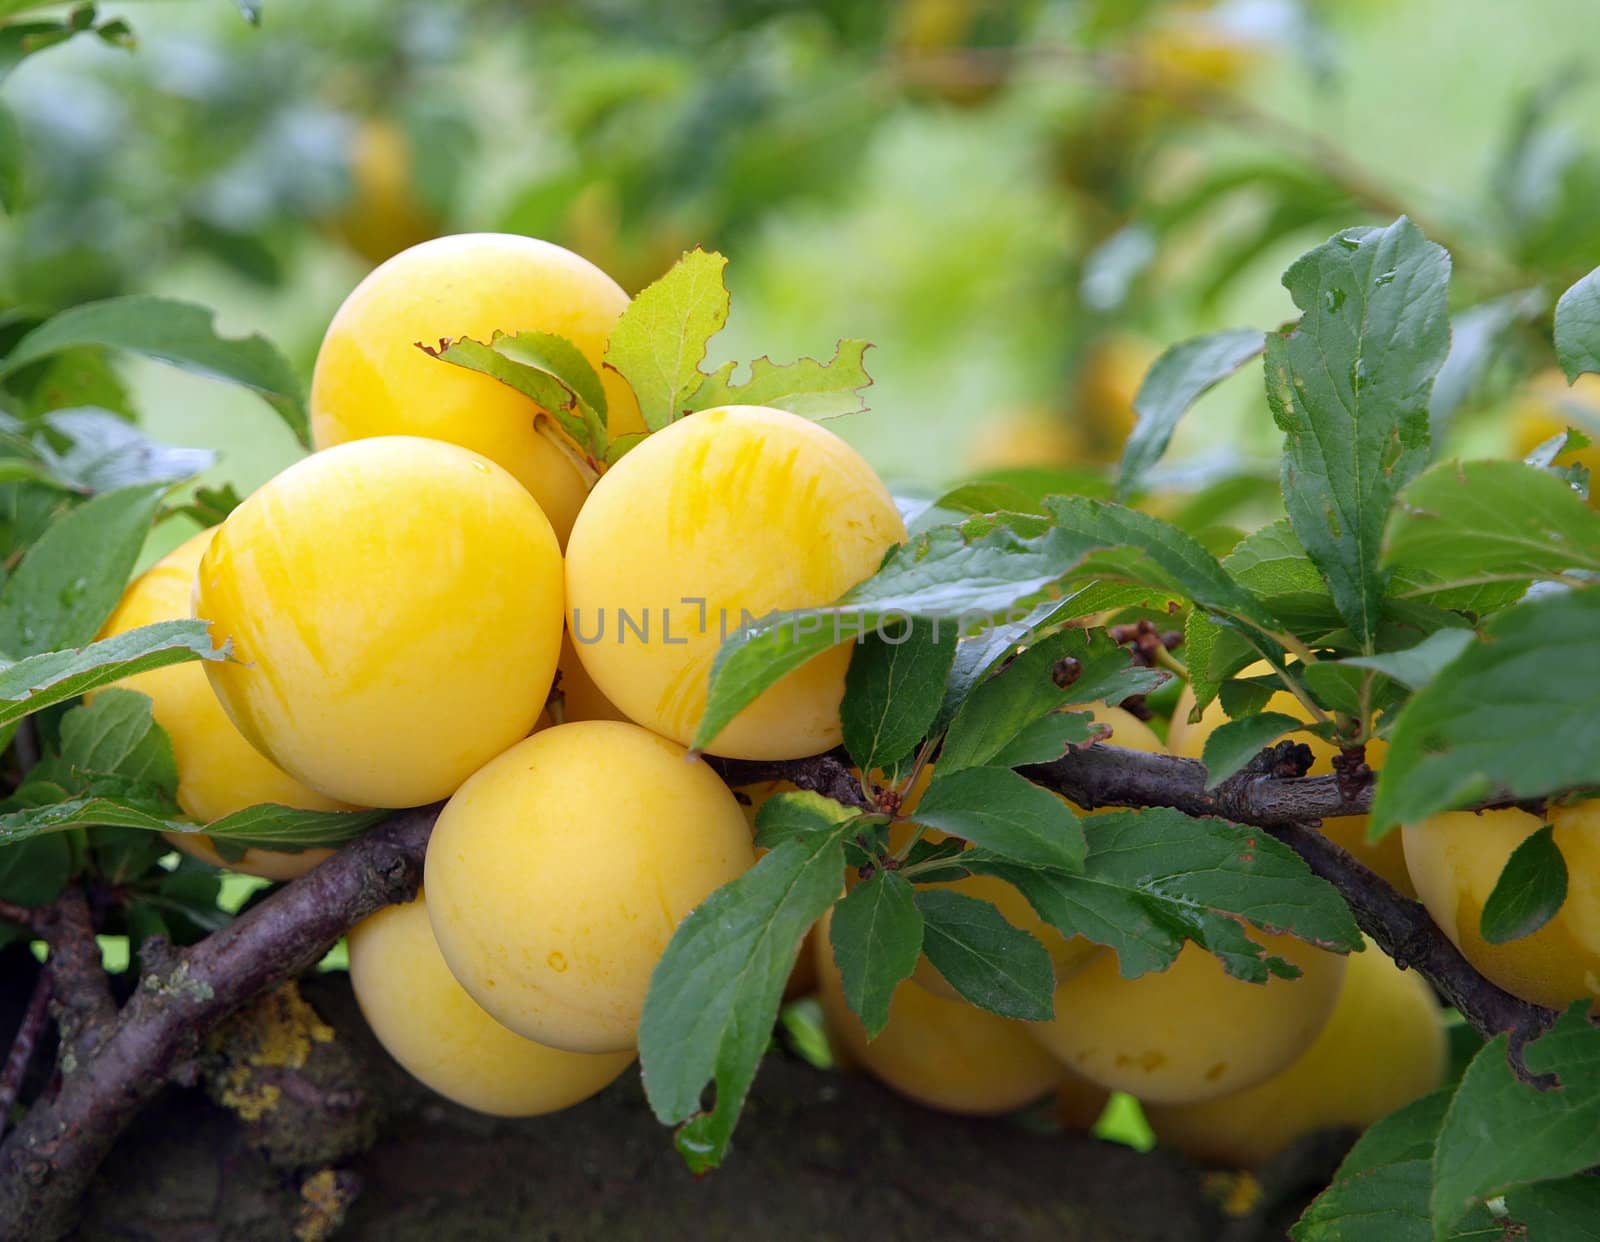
pixel 47 1162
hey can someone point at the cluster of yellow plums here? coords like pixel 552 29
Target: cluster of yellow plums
pixel 450 600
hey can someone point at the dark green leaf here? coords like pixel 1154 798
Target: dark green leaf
pixel 660 341
pixel 715 993
pixel 1067 667
pixel 940 574
pixel 994 965
pixel 1236 743
pixel 1349 385
pixel 33 872
pixel 1566 1210
pixel 1178 379
pixel 107 452
pixel 893 690
pixel 1578 327
pixel 56 676
pixel 11 179
pixel 1531 888
pixel 1005 814
pixel 1482 521
pixel 179 333
pixel 549 370
pixel 876 936
pixel 287 829
pixel 1501 1132
pixel 1155 878
pixel 72 578
pixel 1518 712
pixel 806 387
pixel 978 654
pixel 1049 737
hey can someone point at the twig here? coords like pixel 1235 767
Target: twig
pixel 22 1046
pixel 48 1160
pixel 81 1001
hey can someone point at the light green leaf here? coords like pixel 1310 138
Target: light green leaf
pixel 1578 327
pixel 1416 666
pixel 11 152
pixel 286 829
pixel 179 333
pixel 660 341
pixel 549 370
pixel 117 733
pixel 1489 521
pixel 798 814
pixel 806 387
pixel 1179 378
pixel 1349 385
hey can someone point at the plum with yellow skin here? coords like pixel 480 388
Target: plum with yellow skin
pixel 384 213
pixel 219 772
pixel 948 1055
pixel 1455 861
pixel 728 514
pixel 559 872
pixel 1384 1046
pixel 442 1037
pixel 1191 1032
pixel 372 380
pixel 395 612
pixel 580 697
pixel 1386 857
pixel 1109 377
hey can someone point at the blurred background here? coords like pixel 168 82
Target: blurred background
pixel 1020 204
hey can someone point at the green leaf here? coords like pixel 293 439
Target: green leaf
pixel 1155 878
pixel 33 872
pixel 992 964
pixel 977 654
pixel 1047 738
pixel 806 387
pixel 286 829
pixel 660 341
pixel 876 934
pixel 1006 814
pixel 893 690
pixel 1381 1191
pixel 1067 667
pixel 799 814
pixel 1531 888
pixel 1518 713
pixel 549 370
pixel 1349 385
pixel 1416 666
pixel 83 812
pixel 1155 554
pixel 1273 565
pixel 1568 1210
pixel 714 995
pixel 1578 327
pixel 1486 521
pixel 56 676
pixel 72 578
pixel 1179 378
pixel 1501 1132
pixel 106 452
pixel 179 333
pixel 942 573
pixel 117 733
pixel 1236 743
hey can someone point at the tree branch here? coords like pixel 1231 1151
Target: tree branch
pixel 80 990
pixel 23 1044
pixel 47 1162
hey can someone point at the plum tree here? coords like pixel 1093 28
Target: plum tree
pixel 661 566
pixel 1386 857
pixel 384 665
pixel 558 873
pixel 1455 861
pixel 372 380
pixel 1068 955
pixel 1383 1047
pixel 441 1036
pixel 1191 1032
pixel 219 772
pixel 946 1054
